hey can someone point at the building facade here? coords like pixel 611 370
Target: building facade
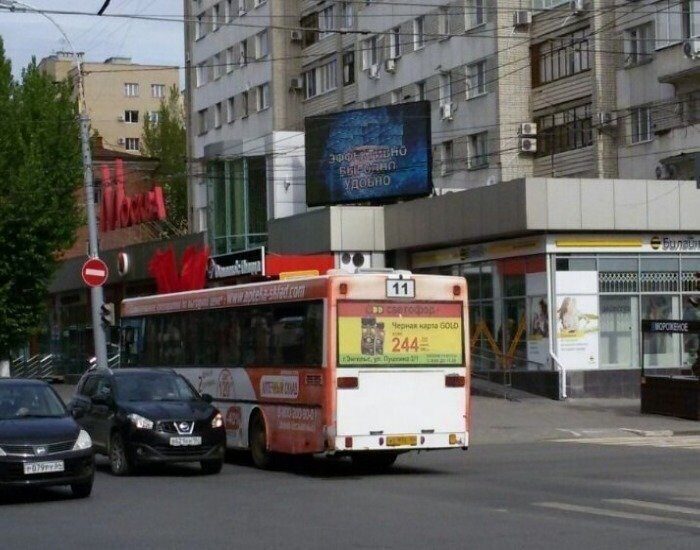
pixel 119 94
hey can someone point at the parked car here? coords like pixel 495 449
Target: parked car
pixel 137 416
pixel 40 443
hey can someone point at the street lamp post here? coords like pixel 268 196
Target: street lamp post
pixel 96 293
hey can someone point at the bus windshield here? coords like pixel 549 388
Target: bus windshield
pixel 400 334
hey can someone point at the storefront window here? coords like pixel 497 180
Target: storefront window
pixel 618 331
pixel 661 350
pixel 473 276
pixel 691 342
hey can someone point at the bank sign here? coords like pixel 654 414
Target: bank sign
pixel 369 155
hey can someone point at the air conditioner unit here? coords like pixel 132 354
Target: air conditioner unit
pixel 606 119
pixel 577 6
pixel 527 129
pixel 446 111
pixel 691 48
pixel 666 171
pixel 522 18
pixel 121 118
pixel 374 71
pixel 295 36
pixel 527 145
pixel 350 262
pixel 390 65
pixel 296 83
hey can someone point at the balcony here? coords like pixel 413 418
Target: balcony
pixel 674 67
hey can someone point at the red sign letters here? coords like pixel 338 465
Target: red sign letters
pixel 117 210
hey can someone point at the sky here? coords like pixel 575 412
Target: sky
pixel 149 42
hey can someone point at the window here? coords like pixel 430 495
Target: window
pixel 215 18
pixel 347 15
pixel 243 59
pixel 131 89
pixel 201 74
pixel 638 44
pixel 395 43
pixel 420 91
pixel 154 116
pixel 230 59
pixel 445 91
pixel 132 144
pixel 230 110
pixel 560 57
pixel 199 30
pixel 476 79
pixel 669 24
pixel 547 4
pixel 216 66
pixel 309 24
pixel 217 115
pixel 244 101
pixel 158 90
pixel 202 122
pixel 131 116
pixel 446 158
pixel 640 120
pixel 443 21
pixel 320 80
pixel 228 10
pixel 259 3
pixel 263 96
pixel 326 21
pixel 348 68
pixel 474 13
pixel 241 7
pixel 370 53
pixel 395 97
pixel 261 45
pixel 477 151
pixel 564 130
pixel 418 33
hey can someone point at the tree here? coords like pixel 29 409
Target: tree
pixel 40 172
pixel 165 140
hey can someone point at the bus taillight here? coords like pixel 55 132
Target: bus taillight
pixel 454 381
pixel 348 383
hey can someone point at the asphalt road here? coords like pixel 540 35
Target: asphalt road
pixel 545 494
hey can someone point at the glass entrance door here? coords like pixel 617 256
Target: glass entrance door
pixel 619 332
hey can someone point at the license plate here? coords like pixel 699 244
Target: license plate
pixel 400 288
pixel 44 467
pixel 185 441
pixel 400 440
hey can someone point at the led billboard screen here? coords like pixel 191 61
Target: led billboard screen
pixel 369 155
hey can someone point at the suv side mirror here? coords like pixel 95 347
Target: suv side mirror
pixel 207 398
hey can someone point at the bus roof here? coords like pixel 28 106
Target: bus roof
pixel 288 290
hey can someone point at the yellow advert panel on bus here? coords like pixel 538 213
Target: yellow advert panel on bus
pixel 387 333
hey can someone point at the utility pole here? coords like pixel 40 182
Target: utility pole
pixel 96 293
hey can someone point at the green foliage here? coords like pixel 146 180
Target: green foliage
pixel 165 140
pixel 40 171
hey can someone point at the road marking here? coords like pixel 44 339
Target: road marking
pixel 618 514
pixel 654 505
pixel 678 441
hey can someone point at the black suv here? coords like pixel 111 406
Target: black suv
pixel 148 415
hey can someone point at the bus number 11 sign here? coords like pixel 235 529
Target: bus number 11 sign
pixel 95 272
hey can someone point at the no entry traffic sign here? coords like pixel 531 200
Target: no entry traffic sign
pixel 95 272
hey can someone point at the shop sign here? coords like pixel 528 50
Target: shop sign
pixel 670 326
pixel 689 243
pixel 247 262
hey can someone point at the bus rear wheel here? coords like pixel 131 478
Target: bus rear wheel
pixel 262 458
pixel 374 460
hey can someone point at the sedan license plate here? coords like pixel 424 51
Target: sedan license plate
pixel 44 467
pixel 185 441
pixel 401 440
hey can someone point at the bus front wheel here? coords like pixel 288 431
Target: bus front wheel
pixel 374 460
pixel 262 458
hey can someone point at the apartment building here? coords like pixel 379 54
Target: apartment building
pixel 550 88
pixel 119 94
pixel 244 118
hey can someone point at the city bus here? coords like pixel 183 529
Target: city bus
pixel 368 365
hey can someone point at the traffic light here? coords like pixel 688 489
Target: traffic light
pixel 107 314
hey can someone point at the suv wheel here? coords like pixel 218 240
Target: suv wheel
pixel 118 459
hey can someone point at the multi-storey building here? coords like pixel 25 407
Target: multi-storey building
pixel 119 95
pixel 554 88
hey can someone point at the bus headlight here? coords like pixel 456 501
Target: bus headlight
pixel 217 421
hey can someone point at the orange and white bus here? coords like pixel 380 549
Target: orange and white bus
pixel 369 365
